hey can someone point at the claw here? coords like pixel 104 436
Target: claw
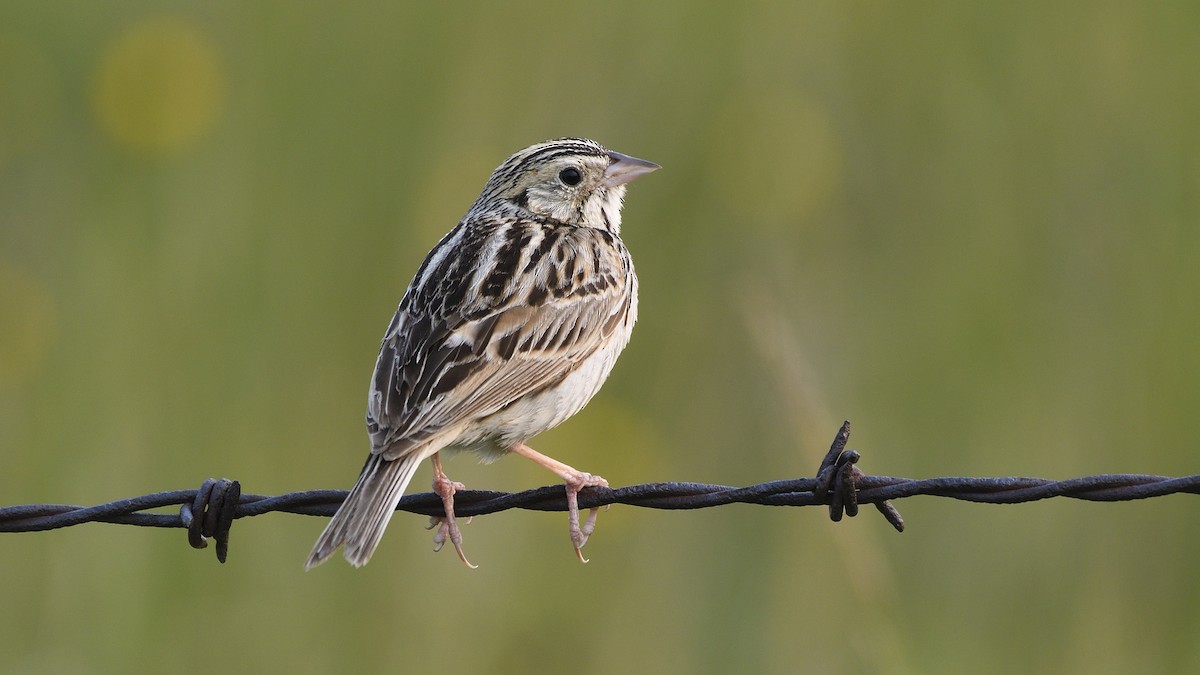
pixel 579 539
pixel 576 480
pixel 447 527
pixel 439 537
pixel 449 530
pixel 580 534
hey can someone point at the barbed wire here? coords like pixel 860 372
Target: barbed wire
pixel 209 512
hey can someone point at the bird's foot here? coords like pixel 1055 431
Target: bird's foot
pixel 576 480
pixel 580 533
pixel 447 527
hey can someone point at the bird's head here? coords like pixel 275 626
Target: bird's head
pixel 571 180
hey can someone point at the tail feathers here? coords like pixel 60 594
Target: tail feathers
pixel 361 520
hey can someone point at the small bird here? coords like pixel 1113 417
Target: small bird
pixel 509 327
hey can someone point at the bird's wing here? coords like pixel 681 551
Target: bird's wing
pixel 522 323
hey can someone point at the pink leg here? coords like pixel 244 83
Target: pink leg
pixel 576 480
pixel 447 527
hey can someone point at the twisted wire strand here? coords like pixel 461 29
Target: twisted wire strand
pixel 208 513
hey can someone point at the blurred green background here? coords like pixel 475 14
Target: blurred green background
pixel 971 228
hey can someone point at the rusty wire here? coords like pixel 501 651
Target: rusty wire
pixel 208 513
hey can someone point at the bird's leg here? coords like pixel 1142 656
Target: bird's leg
pixel 576 480
pixel 447 527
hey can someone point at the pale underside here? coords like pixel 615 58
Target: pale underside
pixel 524 355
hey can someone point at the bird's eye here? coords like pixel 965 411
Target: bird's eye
pixel 570 176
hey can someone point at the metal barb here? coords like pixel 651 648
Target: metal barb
pixel 210 514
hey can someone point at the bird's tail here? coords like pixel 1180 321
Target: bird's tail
pixel 361 519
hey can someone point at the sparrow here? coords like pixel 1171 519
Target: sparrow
pixel 509 327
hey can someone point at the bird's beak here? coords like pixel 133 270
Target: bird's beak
pixel 625 168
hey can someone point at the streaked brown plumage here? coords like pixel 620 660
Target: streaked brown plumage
pixel 509 327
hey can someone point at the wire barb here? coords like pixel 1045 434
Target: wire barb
pixel 208 513
pixel 211 514
pixel 838 472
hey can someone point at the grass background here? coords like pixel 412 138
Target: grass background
pixel 969 227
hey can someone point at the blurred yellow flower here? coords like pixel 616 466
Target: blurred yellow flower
pixel 159 86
